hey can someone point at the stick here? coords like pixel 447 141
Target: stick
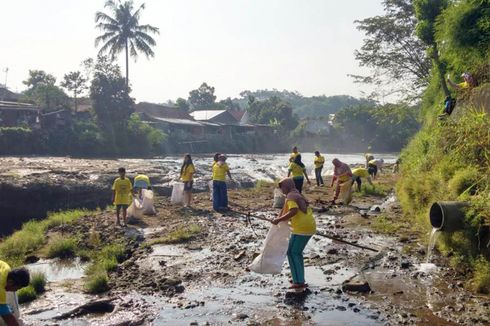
pixel 319 234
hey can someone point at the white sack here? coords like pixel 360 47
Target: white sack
pixel 148 202
pixel 136 208
pixel 177 193
pixel 279 199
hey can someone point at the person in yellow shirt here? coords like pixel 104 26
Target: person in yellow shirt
pixel 121 195
pixel 359 173
pixel 220 190
pixel 11 280
pixel 468 82
pixel 303 226
pixel 298 170
pixel 319 161
pixel 294 153
pixel 141 182
pixel 187 176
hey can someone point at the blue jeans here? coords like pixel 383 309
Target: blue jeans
pixel 297 244
pixel 220 195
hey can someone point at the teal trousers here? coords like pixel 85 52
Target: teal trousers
pixel 297 244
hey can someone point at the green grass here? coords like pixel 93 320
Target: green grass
pixel 378 190
pixel 31 237
pixel 60 247
pixel 481 277
pixel 382 224
pixel 103 261
pixel 178 236
pixel 26 294
pixel 38 282
pixel 97 283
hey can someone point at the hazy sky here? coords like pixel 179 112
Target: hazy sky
pixel 233 45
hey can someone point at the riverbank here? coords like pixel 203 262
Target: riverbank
pixel 190 267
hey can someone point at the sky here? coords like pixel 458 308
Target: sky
pixel 234 45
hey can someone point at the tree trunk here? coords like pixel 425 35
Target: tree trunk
pixel 127 64
pixel 440 70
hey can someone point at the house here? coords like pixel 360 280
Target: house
pixel 6 95
pixel 215 116
pixel 15 114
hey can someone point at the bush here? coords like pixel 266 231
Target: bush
pixel 60 247
pixel 481 278
pixel 382 224
pixel 97 283
pixel 178 236
pixel 26 294
pixel 464 181
pixel 38 282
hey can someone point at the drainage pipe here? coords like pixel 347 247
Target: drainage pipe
pixel 447 216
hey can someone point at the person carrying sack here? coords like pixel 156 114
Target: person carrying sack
pixel 303 227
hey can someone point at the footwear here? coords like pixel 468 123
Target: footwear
pixel 298 286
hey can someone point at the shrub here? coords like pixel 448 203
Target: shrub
pixel 382 224
pixel 38 282
pixel 26 294
pixel 61 247
pixel 464 181
pixel 481 277
pixel 97 283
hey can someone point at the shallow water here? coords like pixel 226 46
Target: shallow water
pixel 59 270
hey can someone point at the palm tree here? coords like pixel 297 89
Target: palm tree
pixel 122 31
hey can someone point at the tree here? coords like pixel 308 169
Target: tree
pixel 273 112
pixel 229 104
pixel 43 92
pixel 111 101
pixel 74 82
pixel 202 98
pixel 182 104
pixel 427 12
pixel 393 51
pixel 122 31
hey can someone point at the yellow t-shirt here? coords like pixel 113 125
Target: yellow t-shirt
pixel 360 172
pixel 319 160
pixel 187 173
pixel 464 85
pixel 296 170
pixel 4 272
pixel 142 177
pixel 219 171
pixel 123 188
pixel 293 156
pixel 301 223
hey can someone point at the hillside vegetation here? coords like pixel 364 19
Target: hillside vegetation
pixel 449 159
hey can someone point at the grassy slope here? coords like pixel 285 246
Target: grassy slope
pixel 450 160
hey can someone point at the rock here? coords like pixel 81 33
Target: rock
pixel 405 265
pixel 353 286
pixel 239 255
pixel 31 259
pixel 341 308
pixel 332 251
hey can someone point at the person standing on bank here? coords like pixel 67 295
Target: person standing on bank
pixel 187 176
pixel 303 227
pixel 220 191
pixel 121 195
pixel 294 153
pixel 319 161
pixel 298 170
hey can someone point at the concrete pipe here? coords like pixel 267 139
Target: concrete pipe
pixel 447 216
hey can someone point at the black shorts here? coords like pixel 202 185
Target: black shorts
pixel 373 169
pixel 123 206
pixel 188 185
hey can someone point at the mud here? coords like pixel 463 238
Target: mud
pixel 205 280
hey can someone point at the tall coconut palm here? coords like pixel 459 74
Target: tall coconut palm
pixel 122 31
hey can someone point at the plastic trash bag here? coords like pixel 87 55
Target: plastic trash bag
pixel 148 202
pixel 177 193
pixel 279 199
pixel 345 195
pixel 14 306
pixel 135 210
pixel 274 252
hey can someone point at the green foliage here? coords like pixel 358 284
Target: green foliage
pixel 273 112
pixel 384 128
pixel 121 31
pixel 378 190
pixel 463 31
pixel 26 294
pixel 384 225
pixel 60 247
pixel 31 237
pixel 202 98
pixel 38 282
pixel 143 137
pixel 464 180
pixel 384 50
pixel 178 236
pixel 43 92
pixel 481 278
pixel 104 260
pixel 97 283
pixel 75 83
